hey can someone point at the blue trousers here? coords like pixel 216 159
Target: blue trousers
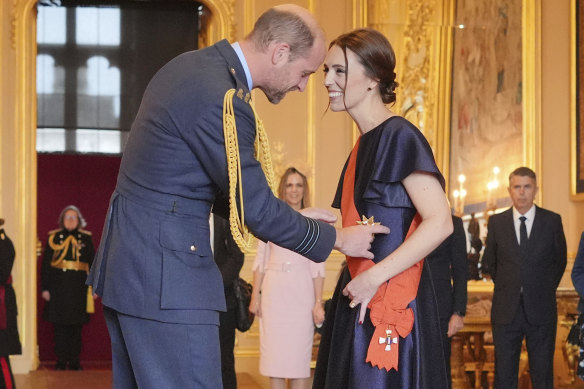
pixel 151 354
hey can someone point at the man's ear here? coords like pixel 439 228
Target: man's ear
pixel 280 53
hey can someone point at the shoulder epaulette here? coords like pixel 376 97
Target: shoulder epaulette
pixel 85 232
pixel 53 232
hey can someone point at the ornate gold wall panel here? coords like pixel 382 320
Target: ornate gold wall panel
pixel 418 32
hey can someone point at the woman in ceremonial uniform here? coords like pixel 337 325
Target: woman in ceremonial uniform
pixel 383 328
pixel 68 255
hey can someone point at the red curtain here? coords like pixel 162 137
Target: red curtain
pixel 86 181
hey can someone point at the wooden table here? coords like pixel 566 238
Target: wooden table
pixel 471 336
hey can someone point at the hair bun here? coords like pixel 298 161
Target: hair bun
pixel 387 91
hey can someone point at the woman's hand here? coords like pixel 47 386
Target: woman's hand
pixel 255 306
pixel 318 313
pixel 361 290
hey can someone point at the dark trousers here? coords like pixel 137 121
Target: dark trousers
pixel 227 342
pixel 446 347
pixel 149 354
pixel 540 341
pixel 68 342
pixel 6 377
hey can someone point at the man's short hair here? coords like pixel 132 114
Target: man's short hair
pixel 523 172
pixel 282 26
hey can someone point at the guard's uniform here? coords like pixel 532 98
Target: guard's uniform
pixel 67 258
pixel 9 339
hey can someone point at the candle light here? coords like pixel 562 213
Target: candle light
pixel 459 196
pixel 492 188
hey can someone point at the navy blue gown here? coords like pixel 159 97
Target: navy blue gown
pixel 386 156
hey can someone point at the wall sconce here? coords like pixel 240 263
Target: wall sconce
pixel 492 189
pixel 459 195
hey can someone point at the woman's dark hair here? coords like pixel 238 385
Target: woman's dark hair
pixel 284 180
pixel 375 54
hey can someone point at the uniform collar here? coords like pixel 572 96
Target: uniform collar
pixel 241 57
pixel 234 63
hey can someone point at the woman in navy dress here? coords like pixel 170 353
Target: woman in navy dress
pixel 382 329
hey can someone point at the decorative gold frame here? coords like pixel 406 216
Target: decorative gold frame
pixel 19 136
pixel 576 122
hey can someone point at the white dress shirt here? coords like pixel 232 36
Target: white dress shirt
pixel 529 215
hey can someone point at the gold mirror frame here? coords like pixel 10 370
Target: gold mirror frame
pixel 19 136
pixel 575 157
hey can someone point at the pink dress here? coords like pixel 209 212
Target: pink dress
pixel 286 325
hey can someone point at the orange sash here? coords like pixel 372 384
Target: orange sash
pixel 388 307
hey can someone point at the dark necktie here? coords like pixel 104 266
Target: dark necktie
pixel 523 237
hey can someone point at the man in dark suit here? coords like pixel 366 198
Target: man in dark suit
pixel 526 256
pixel 154 270
pixel 448 265
pixel 229 259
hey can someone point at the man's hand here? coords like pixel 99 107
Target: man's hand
pixel 455 324
pixel 46 295
pixel 319 214
pixel 355 241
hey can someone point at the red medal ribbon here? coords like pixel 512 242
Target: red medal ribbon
pixel 388 307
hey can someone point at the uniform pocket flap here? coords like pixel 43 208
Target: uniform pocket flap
pixel 185 237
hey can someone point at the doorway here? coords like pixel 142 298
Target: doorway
pixel 95 58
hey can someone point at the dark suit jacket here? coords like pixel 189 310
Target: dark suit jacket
pixel 448 265
pixel 578 273
pixel 154 260
pixel 228 256
pixel 538 274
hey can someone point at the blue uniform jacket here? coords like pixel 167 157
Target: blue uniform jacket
pixel 154 260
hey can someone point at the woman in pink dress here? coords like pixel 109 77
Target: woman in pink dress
pixel 287 291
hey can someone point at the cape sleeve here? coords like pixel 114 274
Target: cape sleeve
pixel 401 150
pixel 337 200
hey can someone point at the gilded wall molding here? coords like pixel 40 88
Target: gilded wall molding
pixel 222 24
pixel 417 44
pixel 418 98
pixel 531 88
pixel 13 24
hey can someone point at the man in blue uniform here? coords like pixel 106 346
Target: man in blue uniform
pixel 154 268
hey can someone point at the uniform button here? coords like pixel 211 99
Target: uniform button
pixel 193 247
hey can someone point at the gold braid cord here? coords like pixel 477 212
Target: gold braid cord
pixel 239 230
pixel 60 250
